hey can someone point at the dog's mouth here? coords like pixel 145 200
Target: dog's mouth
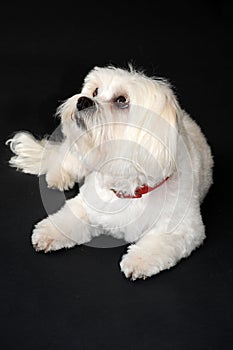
pixel 84 116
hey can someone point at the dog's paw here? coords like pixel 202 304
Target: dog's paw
pixel 46 237
pixel 60 180
pixel 140 263
pixel 28 153
pixel 136 264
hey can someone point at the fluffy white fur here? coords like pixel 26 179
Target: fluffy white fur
pixel 118 147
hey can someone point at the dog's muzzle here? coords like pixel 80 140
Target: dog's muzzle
pixel 85 108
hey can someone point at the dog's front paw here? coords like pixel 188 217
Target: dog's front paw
pixel 137 263
pixel 46 237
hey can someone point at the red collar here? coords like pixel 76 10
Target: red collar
pixel 139 190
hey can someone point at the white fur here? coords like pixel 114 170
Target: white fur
pixel 121 149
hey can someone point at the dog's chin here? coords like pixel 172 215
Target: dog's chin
pixel 124 163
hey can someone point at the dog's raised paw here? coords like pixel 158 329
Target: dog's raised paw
pixel 60 180
pixel 28 153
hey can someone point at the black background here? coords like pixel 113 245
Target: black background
pixel 78 299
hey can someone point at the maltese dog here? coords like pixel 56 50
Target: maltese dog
pixel 142 163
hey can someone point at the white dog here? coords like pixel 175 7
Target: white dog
pixel 146 167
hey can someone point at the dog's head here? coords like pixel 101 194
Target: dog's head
pixel 125 122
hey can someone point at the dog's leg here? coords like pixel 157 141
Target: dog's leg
pixel 45 157
pixel 155 252
pixel 64 229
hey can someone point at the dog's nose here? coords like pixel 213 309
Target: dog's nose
pixel 84 102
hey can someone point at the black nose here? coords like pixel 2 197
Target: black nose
pixel 84 102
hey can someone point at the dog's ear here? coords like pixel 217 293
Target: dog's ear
pixel 171 110
pixel 169 113
pixel 167 105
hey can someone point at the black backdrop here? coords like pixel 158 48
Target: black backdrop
pixel 78 299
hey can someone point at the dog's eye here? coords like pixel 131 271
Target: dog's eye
pixel 95 93
pixel 121 102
